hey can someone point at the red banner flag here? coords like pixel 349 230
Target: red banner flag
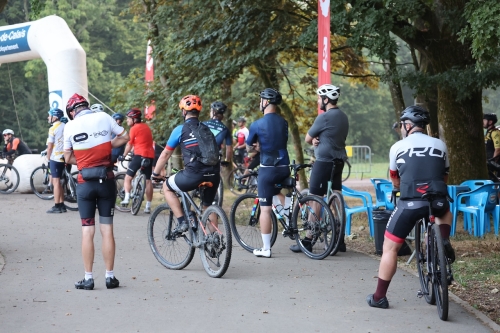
pixel 149 110
pixel 324 75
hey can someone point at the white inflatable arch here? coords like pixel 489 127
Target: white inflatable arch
pixel 51 40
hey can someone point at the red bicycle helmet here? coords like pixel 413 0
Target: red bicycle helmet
pixel 134 113
pixel 74 102
pixel 190 103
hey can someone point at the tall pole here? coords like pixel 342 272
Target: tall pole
pixel 324 75
pixel 149 110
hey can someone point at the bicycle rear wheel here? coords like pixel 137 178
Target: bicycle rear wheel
pixel 138 194
pixel 40 183
pixel 315 230
pixel 346 172
pixel 252 184
pixel 245 224
pixel 235 184
pixel 439 273
pixel 420 255
pixel 172 250
pixel 9 178
pixel 120 192
pixel 69 188
pixel 337 206
pixel 217 247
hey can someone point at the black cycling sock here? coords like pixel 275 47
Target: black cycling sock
pixel 445 230
pixel 59 205
pixel 381 291
pixel 180 220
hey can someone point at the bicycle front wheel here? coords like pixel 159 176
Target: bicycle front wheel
pixel 337 206
pixel 315 224
pixel 219 198
pixel 245 224
pixel 138 194
pixel 174 251
pixel 346 172
pixel 420 255
pixel 40 183
pixel 120 192
pixel 235 182
pixel 439 273
pixel 69 188
pixel 9 178
pixel 216 240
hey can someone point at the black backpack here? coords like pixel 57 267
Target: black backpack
pixel 209 149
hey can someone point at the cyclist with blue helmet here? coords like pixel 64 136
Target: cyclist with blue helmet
pixel 115 152
pixel 55 154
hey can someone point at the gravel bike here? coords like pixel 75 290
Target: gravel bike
pixel 41 185
pixel 434 269
pixel 208 231
pixel 9 177
pixel 304 221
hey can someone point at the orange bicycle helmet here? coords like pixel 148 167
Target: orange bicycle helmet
pixel 190 103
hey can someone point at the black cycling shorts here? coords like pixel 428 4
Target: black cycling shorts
pixel 94 193
pixel 184 181
pixel 267 178
pixel 254 162
pixel 408 212
pixel 239 155
pixel 321 173
pixel 135 165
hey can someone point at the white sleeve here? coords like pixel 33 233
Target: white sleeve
pixel 68 145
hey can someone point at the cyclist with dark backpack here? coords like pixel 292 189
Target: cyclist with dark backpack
pixel 200 153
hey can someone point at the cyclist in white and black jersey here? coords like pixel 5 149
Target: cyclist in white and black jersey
pixel 418 164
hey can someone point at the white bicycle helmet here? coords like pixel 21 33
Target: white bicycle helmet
pixel 330 91
pixel 8 131
pixel 97 108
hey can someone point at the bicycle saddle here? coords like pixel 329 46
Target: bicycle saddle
pixel 207 184
pixel 287 183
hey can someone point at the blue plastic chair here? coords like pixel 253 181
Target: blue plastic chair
pixel 386 190
pixel 380 199
pixel 480 203
pixel 367 207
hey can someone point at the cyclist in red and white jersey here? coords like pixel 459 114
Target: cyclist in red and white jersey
pixel 88 143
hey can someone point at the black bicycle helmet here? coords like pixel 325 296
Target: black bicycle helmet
pixel 219 107
pixel 416 114
pixel 490 116
pixel 272 95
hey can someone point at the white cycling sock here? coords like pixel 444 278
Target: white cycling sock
pixel 266 239
pixel 110 274
pixel 127 197
pixel 88 275
pixel 148 204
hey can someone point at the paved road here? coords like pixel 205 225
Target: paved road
pixel 287 292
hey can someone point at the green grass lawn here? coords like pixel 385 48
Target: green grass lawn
pixel 365 171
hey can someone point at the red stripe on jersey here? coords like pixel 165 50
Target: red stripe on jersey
pixel 99 155
pixel 192 145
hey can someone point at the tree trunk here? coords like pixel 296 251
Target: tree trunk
pixel 3 3
pixel 462 125
pixel 429 98
pixel 395 88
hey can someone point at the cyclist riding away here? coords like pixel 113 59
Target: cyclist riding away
pixel 418 163
pixel 13 145
pixel 271 133
pixel 220 131
pixel 55 152
pixel 115 152
pixel 327 135
pixel 492 142
pixel 241 136
pixel 141 139
pixel 87 143
pixel 201 161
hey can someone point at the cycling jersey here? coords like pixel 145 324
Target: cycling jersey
pixel 241 135
pixel 89 136
pixel 141 139
pixel 331 127
pixel 181 135
pixel 419 159
pixel 56 137
pixel 492 142
pixel 271 131
pixel 220 131
pixel 16 145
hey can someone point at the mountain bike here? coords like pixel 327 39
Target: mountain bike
pixel 175 250
pixel 304 221
pixel 9 177
pixel 136 192
pixel 434 269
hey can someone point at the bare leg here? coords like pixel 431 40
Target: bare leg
pixel 173 201
pixel 108 246
pixel 88 247
pixel 149 190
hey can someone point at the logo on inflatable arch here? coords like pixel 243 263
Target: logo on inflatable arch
pixel 55 99
pixel 14 40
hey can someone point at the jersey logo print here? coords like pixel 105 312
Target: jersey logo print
pixel 192 142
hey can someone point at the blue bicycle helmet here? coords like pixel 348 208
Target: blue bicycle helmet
pixel 118 116
pixel 56 113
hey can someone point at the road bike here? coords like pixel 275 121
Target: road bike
pixel 312 231
pixel 434 269
pixel 41 185
pixel 9 177
pixel 136 192
pixel 208 231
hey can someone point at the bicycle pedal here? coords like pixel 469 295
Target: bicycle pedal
pixel 420 294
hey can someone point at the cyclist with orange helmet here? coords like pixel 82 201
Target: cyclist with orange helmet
pixel 195 171
pixel 141 139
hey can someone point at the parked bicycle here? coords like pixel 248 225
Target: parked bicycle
pixel 41 185
pixel 303 221
pixel 9 176
pixel 208 231
pixel 136 192
pixel 346 172
pixel 241 183
pixel 434 269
